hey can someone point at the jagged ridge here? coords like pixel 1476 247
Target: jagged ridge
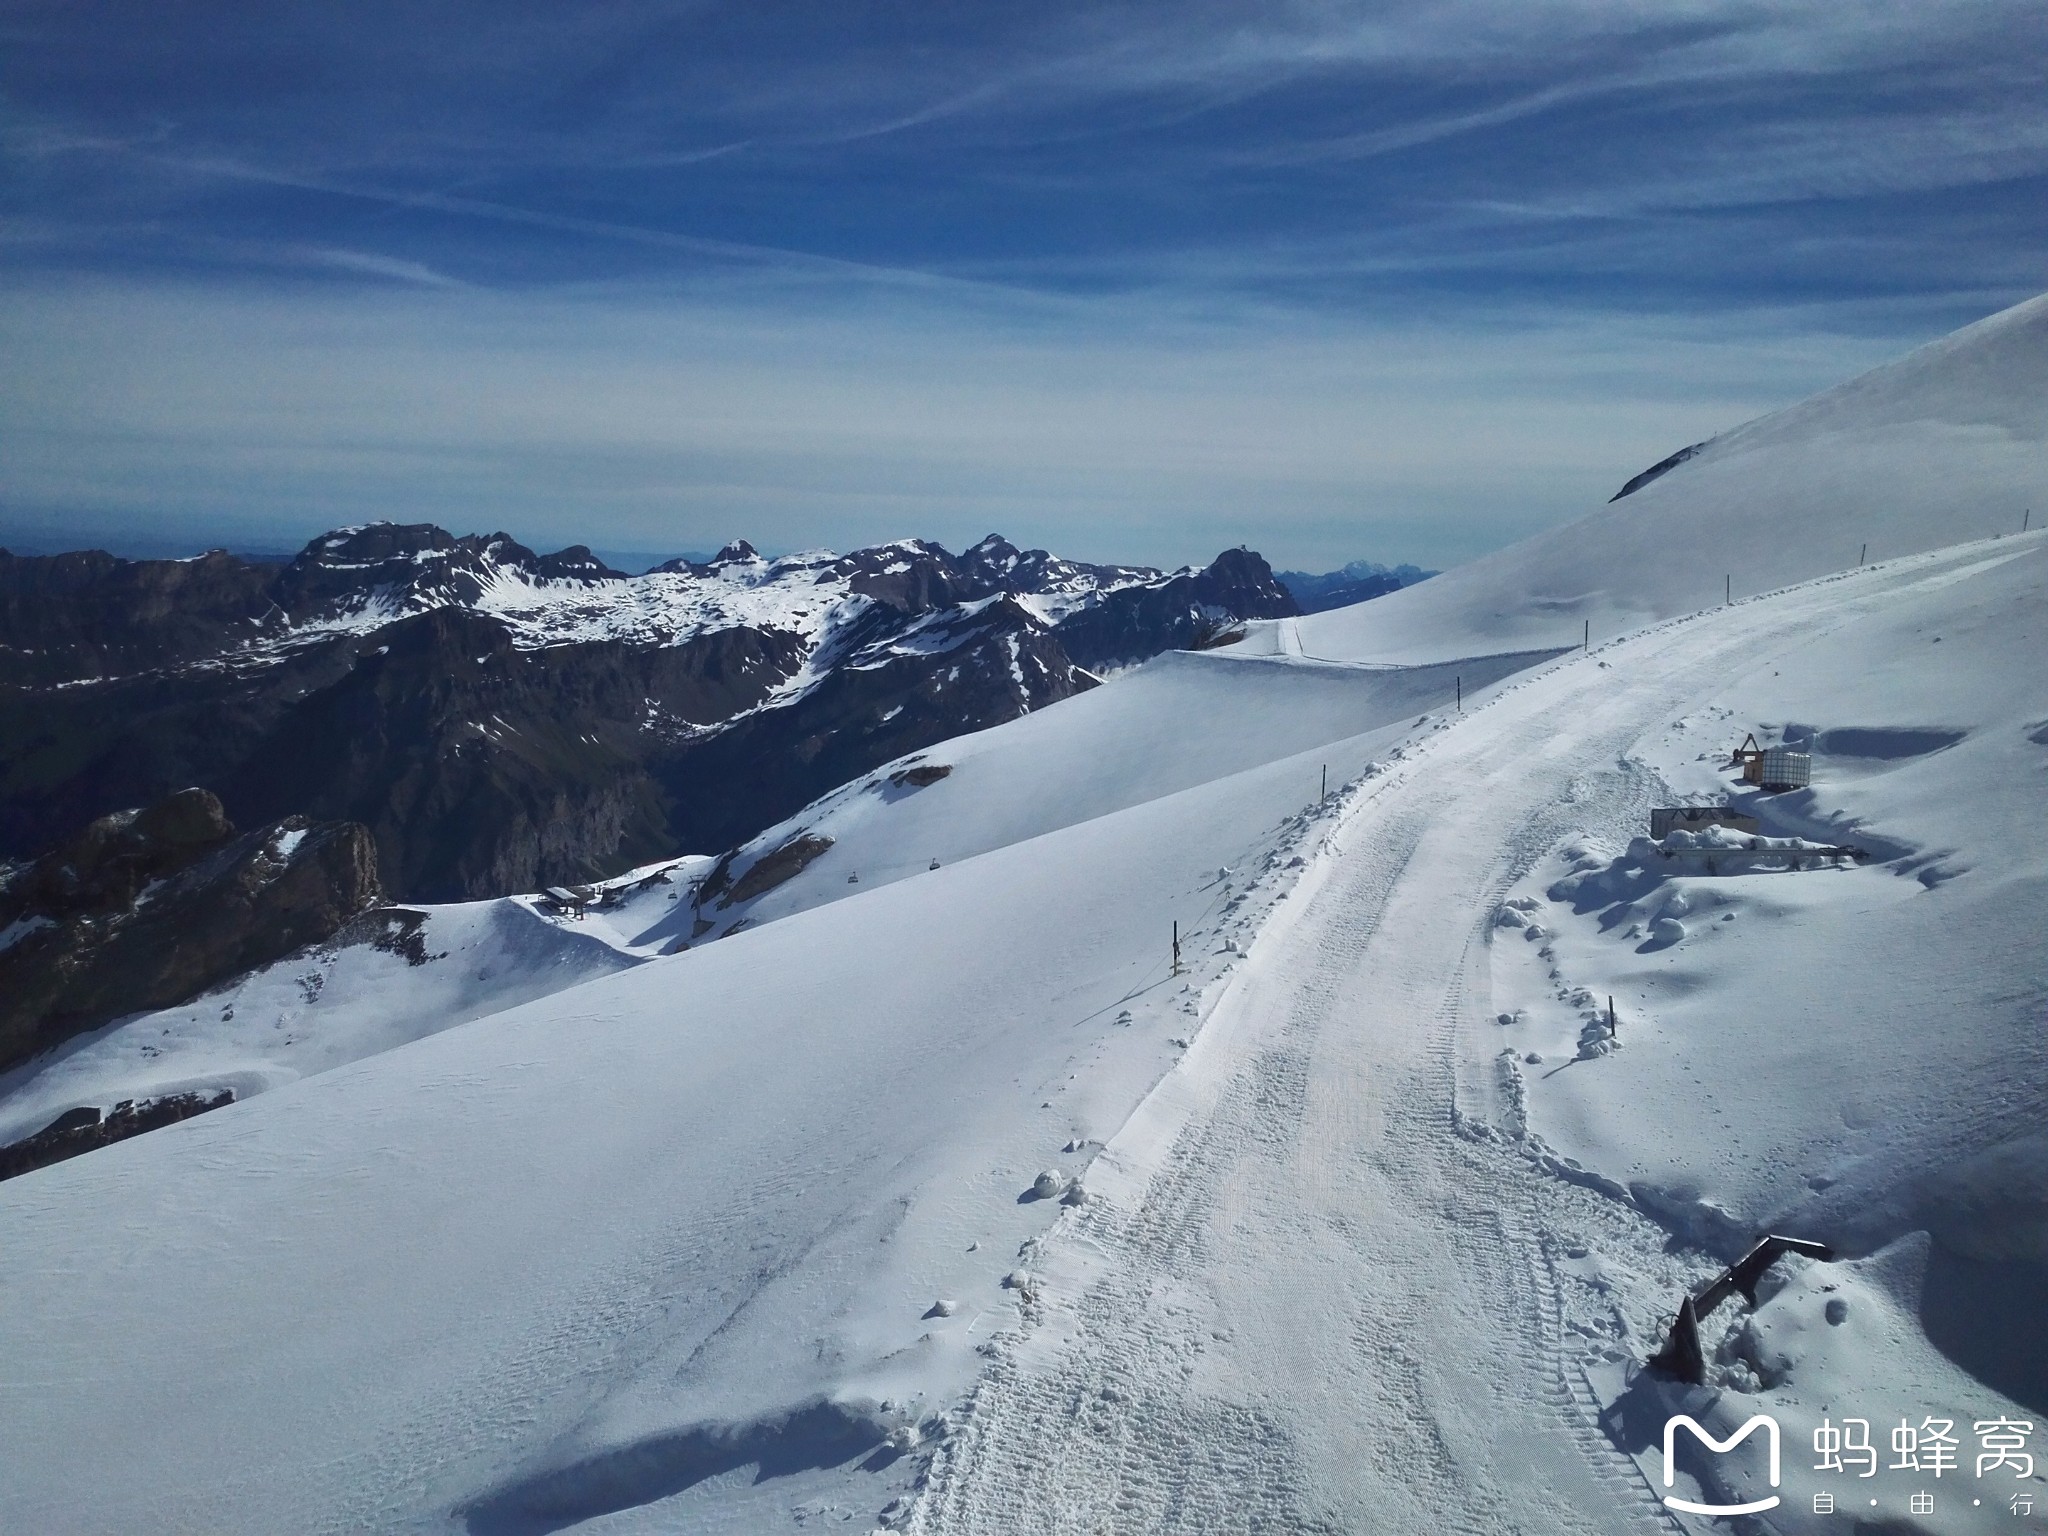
pixel 502 719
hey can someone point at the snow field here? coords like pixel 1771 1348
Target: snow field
pixel 1180 720
pixel 314 1010
pixel 1332 1279
pixel 569 1263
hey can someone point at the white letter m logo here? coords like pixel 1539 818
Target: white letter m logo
pixel 1770 1428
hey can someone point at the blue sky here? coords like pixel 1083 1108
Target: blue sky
pixel 1132 281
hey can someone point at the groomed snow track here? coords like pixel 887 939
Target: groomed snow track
pixel 1326 1283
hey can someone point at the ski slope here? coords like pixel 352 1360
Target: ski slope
pixel 935 1201
pixel 591 1254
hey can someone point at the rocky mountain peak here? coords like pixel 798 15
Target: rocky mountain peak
pixel 994 553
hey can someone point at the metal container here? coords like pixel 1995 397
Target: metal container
pixel 1784 770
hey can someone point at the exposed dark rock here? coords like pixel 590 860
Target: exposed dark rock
pixel 1218 636
pixel 69 754
pixel 738 552
pixel 105 867
pixel 1661 468
pixel 1133 624
pixel 919 775
pixel 88 614
pixel 394 930
pixel 479 769
pixel 82 1130
pixel 770 764
pixel 772 869
pixel 211 912
pixel 415 567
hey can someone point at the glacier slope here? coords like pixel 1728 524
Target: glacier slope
pixel 389 980
pixel 1947 444
pixel 1181 719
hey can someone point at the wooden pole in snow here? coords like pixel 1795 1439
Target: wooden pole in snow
pixel 1326 781
pixel 1727 590
pixel 1586 644
pixel 2025 518
pixel 1865 550
pixel 1176 946
pixel 1610 1015
pixel 1461 692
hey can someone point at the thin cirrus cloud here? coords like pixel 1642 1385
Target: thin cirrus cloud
pixel 1139 280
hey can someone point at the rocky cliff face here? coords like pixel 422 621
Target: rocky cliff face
pixel 499 720
pixel 88 615
pixel 1136 622
pixel 146 909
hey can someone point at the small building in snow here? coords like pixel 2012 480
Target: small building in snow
pixel 567 900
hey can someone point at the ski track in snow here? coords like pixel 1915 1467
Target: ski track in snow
pixel 1321 1290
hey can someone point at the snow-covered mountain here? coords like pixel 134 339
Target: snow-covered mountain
pixel 1355 582
pixel 366 577
pixel 502 720
pixel 939 1199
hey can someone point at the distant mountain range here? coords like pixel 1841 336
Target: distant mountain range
pixel 501 719
pixel 1355 583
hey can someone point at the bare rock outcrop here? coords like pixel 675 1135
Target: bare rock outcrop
pixel 146 909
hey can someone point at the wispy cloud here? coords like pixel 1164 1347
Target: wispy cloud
pixel 671 420
pixel 372 265
pixel 849 270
